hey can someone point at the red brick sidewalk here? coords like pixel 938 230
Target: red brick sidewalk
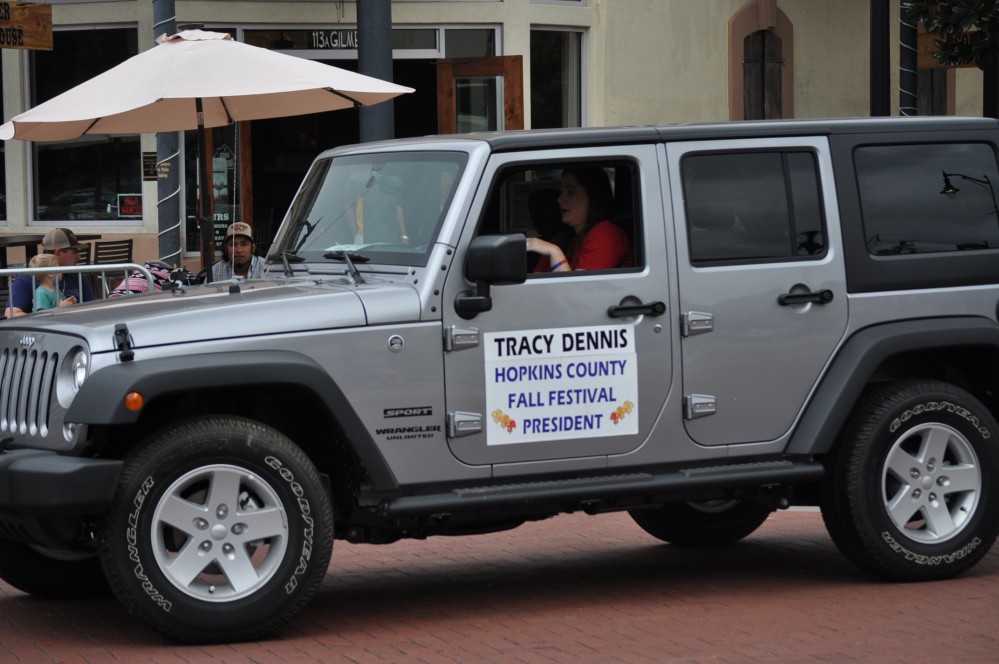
pixel 574 588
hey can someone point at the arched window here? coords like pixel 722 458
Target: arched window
pixel 761 62
pixel 762 66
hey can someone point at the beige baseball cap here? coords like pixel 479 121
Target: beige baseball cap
pixel 59 238
pixel 239 228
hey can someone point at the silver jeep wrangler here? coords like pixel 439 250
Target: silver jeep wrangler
pixel 811 319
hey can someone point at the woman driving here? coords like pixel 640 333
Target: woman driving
pixel 586 203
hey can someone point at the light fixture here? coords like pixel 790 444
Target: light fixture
pixel 948 189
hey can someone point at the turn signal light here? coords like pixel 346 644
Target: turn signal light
pixel 134 401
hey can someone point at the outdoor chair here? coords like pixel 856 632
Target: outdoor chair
pixel 112 251
pixel 85 252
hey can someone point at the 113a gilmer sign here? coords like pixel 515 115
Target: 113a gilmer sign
pixel 560 383
pixel 26 26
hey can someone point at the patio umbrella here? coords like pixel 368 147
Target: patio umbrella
pixel 195 80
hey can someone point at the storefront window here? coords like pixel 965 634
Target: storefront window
pixel 87 178
pixel 469 43
pixel 414 38
pixel 555 79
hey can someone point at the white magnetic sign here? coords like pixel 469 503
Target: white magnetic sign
pixel 560 383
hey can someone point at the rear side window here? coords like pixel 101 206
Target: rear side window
pixel 752 206
pixel 928 198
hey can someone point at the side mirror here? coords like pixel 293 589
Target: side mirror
pixel 491 259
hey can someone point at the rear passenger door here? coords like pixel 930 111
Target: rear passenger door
pixel 761 278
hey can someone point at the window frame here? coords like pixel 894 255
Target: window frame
pixel 783 152
pixel 637 235
pixel 866 212
pixel 31 157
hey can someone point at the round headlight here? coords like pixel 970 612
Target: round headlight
pixel 78 369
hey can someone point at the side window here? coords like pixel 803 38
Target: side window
pixel 752 206
pixel 589 210
pixel 929 198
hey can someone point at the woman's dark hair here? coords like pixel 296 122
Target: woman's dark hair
pixel 598 189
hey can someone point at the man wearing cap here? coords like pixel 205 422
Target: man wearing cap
pixel 62 243
pixel 238 258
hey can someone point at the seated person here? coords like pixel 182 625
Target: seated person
pixel 61 243
pixel 238 257
pixel 48 293
pixel 586 202
pixel 546 217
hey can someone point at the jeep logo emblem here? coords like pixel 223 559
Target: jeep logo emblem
pixel 27 341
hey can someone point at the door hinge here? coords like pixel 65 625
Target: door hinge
pixel 696 322
pixel 460 338
pixel 463 424
pixel 698 405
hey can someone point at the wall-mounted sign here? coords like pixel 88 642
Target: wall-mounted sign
pixel 925 48
pixel 149 171
pixel 336 39
pixel 333 39
pixel 129 205
pixel 26 26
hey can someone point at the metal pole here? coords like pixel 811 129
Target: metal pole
pixel 880 58
pixel 908 78
pixel 168 164
pixel 990 87
pixel 374 58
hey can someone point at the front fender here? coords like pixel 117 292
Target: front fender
pixel 101 400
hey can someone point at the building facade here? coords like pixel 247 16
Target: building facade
pixel 475 64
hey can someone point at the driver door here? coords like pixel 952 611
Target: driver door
pixel 556 370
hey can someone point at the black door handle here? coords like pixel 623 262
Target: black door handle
pixel 651 309
pixel 818 297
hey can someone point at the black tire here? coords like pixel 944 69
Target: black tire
pixel 701 524
pixel 221 530
pixel 51 574
pixel 910 494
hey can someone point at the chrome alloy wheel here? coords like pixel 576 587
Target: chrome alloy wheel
pixel 220 532
pixel 931 482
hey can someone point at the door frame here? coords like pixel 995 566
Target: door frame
pixel 510 68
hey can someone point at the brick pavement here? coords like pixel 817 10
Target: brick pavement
pixel 570 589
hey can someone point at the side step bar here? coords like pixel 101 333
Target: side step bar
pixel 678 484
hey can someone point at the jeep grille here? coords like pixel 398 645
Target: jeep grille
pixel 27 378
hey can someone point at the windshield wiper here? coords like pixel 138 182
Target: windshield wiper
pixel 286 258
pixel 309 227
pixel 349 258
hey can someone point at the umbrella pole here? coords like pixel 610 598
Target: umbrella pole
pixel 205 225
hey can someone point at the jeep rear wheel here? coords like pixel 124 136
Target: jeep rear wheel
pixel 704 523
pixel 220 530
pixel 911 493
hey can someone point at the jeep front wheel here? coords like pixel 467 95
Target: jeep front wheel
pixel 911 492
pixel 703 523
pixel 221 530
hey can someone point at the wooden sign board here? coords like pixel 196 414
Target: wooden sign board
pixel 925 50
pixel 26 26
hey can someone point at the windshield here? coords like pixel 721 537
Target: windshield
pixel 386 207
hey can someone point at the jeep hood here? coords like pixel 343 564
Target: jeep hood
pixel 230 310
